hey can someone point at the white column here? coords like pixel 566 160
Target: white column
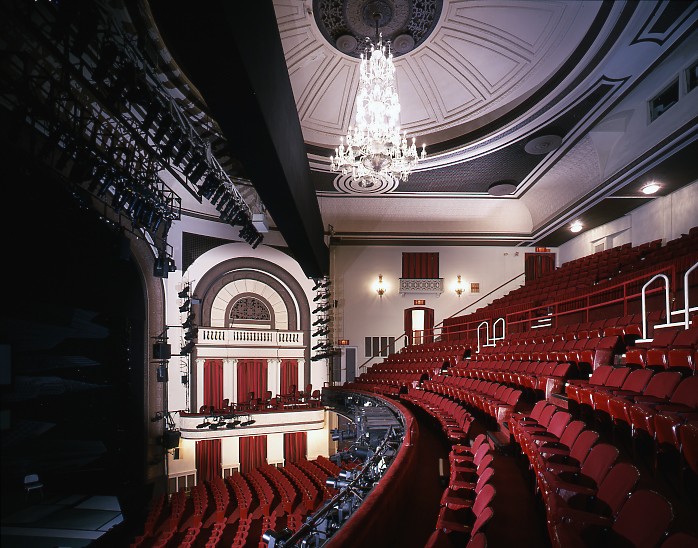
pixel 199 384
pixel 275 448
pixel 234 377
pixel 273 375
pixel 229 373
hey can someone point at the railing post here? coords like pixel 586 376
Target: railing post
pixel 644 299
pixel 686 308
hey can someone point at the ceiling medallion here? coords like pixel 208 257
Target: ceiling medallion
pixel 543 144
pixel 380 185
pixel 406 23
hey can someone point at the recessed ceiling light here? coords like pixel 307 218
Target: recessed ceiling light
pixel 576 226
pixel 501 188
pixel 543 144
pixel 650 188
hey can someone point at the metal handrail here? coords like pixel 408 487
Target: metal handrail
pixel 504 329
pixel 644 299
pixel 487 334
pixel 686 308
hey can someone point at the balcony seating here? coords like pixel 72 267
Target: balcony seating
pixel 565 483
pixel 642 521
pixel 597 378
pixel 463 498
pixel 461 520
pixel 658 389
pixel 555 463
pixel 684 399
pixel 614 380
pixel 634 383
pixel 604 500
pixel 531 439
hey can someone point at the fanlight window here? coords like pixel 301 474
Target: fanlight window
pixel 250 311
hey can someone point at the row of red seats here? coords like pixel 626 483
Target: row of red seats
pixel 671 348
pixel 262 490
pixel 466 502
pixel 586 490
pixel 284 488
pixel 454 419
pixel 310 496
pixel 243 493
pixel 495 400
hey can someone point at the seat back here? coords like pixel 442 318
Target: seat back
pixel 559 422
pixel 617 486
pixel 662 384
pixel 688 437
pixel 484 479
pixel 583 444
pixel 483 499
pixel 600 460
pixel 687 392
pixel 482 520
pixel 477 541
pixel 547 415
pixel 637 380
pixel 571 433
pixel 600 374
pixel 480 453
pixel 617 377
pixel 644 518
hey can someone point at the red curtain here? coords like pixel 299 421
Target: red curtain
pixel 420 265
pixel 253 452
pixel 208 459
pixel 213 383
pixel 295 446
pixel 252 377
pixel 289 376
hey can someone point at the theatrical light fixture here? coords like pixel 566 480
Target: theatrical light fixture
pixel 650 188
pixel 204 424
pixel 185 305
pixel 249 422
pixel 184 293
pixel 459 287
pixel 187 348
pixel 576 226
pixel 374 147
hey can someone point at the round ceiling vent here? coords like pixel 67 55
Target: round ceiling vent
pixel 501 188
pixel 403 44
pixel 543 144
pixel 346 43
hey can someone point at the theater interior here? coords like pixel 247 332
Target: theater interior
pixel 266 292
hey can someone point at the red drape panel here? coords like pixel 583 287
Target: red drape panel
pixel 420 265
pixel 213 383
pixel 289 376
pixel 295 446
pixel 253 452
pixel 408 324
pixel 252 377
pixel 208 459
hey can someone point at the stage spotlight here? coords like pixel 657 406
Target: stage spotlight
pixel 189 321
pixel 184 293
pixel 204 424
pixel 185 306
pixel 187 348
pixel 182 151
pixel 248 422
pixel 257 241
pixel 191 334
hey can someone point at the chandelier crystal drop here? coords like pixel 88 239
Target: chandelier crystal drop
pixel 374 146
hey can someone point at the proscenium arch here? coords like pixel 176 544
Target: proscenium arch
pixel 266 272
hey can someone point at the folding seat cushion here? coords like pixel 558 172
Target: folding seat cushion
pixel 607 500
pixel 456 499
pixel 532 417
pixel 466 452
pixel 538 426
pixel 642 521
pixel 469 467
pixel 634 383
pixel 565 484
pixel 658 390
pixel 562 446
pixel 553 432
pixel 684 399
pixel 571 462
pixel 463 480
pixel 462 519
pixel 614 381
pixel 597 378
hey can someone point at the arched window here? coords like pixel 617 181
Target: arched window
pixel 249 310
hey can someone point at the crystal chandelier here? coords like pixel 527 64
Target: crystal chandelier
pixel 374 147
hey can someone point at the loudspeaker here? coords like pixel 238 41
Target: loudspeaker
pixel 170 439
pixel 161 351
pixel 162 373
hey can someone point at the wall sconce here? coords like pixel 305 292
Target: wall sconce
pixel 380 288
pixel 459 287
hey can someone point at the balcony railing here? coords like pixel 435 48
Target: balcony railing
pixel 422 285
pixel 220 336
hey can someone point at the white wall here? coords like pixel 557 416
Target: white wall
pixel 363 313
pixel 665 217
